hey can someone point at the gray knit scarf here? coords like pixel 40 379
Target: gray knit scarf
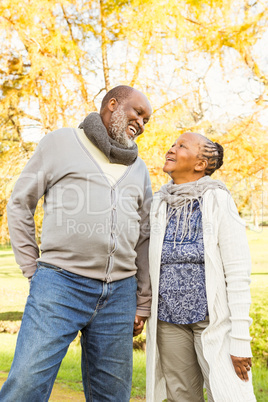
pixel 97 134
pixel 180 199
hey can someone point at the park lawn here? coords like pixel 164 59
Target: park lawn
pixel 14 290
pixel 13 286
pixel 258 242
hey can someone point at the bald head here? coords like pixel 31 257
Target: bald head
pixel 120 93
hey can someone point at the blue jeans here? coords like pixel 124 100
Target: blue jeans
pixel 60 304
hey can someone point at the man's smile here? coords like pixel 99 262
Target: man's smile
pixel 134 132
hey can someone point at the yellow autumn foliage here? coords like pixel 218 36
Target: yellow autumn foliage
pixel 58 58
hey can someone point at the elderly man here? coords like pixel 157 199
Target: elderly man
pixel 92 274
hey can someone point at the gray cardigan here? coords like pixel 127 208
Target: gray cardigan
pixel 90 228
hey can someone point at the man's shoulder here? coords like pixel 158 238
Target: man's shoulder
pixel 140 169
pixel 140 163
pixel 59 132
pixel 60 135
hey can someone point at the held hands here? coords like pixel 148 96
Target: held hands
pixel 242 365
pixel 138 325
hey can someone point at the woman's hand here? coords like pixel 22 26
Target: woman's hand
pixel 242 365
pixel 138 325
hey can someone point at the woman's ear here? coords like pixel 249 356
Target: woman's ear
pixel 112 104
pixel 201 165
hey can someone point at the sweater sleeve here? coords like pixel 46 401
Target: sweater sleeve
pixel 236 259
pixel 29 188
pixel 144 293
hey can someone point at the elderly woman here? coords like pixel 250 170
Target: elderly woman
pixel 198 331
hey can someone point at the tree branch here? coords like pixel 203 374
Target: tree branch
pixel 104 41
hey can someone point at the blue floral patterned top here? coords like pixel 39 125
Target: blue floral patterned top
pixel 182 290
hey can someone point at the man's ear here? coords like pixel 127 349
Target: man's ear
pixel 201 165
pixel 112 104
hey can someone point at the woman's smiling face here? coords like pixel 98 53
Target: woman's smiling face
pixel 183 162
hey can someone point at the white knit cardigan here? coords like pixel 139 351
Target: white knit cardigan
pixel 227 270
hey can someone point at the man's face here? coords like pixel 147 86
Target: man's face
pixel 129 118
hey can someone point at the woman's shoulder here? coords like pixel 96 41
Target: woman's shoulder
pixel 218 193
pixel 217 199
pixel 222 202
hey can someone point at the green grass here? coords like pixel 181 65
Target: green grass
pixel 13 286
pixel 260 383
pixel 14 290
pixel 258 242
pixel 139 374
pixel 70 370
pixel 7 348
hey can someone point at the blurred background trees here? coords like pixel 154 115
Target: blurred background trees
pixel 203 65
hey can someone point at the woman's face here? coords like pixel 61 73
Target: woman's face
pixel 182 158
